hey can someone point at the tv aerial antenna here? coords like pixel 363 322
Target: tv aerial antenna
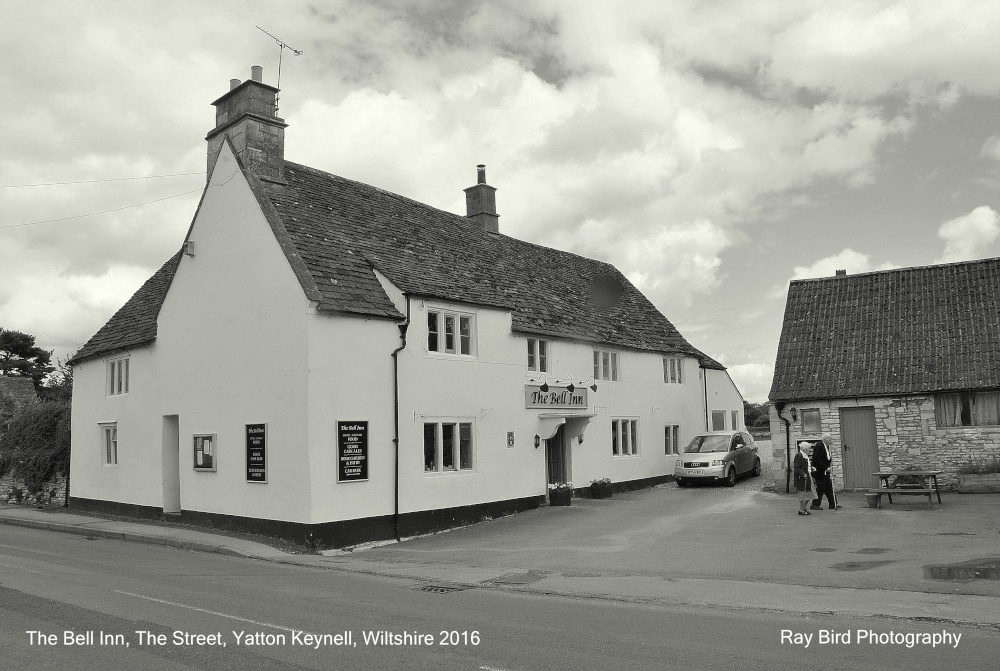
pixel 282 45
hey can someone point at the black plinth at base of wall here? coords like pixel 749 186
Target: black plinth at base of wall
pixel 325 535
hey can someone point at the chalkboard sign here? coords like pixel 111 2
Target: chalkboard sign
pixel 256 452
pixel 352 451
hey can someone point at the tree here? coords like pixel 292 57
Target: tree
pixel 755 414
pixel 20 358
pixel 36 445
pixel 58 385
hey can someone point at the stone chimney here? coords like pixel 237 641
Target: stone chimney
pixel 481 203
pixel 247 116
pixel 841 273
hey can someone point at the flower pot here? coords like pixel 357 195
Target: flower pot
pixel 978 483
pixel 560 497
pixel 873 500
pixel 601 490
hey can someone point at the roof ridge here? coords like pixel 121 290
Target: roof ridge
pixel 886 271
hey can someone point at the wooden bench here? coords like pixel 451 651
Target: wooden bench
pixel 903 491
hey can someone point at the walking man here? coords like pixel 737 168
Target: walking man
pixel 821 461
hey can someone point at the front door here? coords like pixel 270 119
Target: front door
pixel 555 457
pixel 860 448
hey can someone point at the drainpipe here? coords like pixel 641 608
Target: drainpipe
pixel 395 419
pixel 778 407
pixel 704 376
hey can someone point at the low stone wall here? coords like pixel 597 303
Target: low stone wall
pixel 52 494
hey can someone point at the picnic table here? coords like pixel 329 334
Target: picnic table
pixel 903 482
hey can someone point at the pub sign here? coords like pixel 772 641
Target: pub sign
pixel 256 436
pixel 555 397
pixel 352 451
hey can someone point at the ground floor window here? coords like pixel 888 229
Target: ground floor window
pixel 811 421
pixel 967 408
pixel 447 446
pixel 624 437
pixel 109 443
pixel 718 420
pixel 671 439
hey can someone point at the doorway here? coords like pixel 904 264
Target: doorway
pixel 555 458
pixel 859 447
pixel 170 463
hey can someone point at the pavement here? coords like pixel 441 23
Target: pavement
pixel 739 548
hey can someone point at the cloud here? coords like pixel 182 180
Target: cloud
pixel 847 259
pixel 991 148
pixel 752 379
pixel 970 236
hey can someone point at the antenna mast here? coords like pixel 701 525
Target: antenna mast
pixel 281 47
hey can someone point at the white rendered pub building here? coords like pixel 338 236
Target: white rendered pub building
pixel 324 357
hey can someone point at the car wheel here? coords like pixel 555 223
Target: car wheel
pixel 730 477
pixel 756 467
pixel 681 482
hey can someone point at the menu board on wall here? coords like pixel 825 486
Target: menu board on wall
pixel 352 451
pixel 256 452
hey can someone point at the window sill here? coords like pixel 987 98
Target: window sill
pixel 452 356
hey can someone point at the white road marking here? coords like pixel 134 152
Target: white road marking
pixel 18 568
pixel 210 612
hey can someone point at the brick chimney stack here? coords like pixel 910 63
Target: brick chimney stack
pixel 841 273
pixel 481 203
pixel 246 115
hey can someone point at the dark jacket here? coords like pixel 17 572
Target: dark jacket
pixel 801 467
pixel 820 459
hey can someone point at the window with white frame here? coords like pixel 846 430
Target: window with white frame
pixel 447 447
pixel 109 443
pixel 718 420
pixel 451 332
pixel 735 415
pixel 118 376
pixel 538 355
pixel 673 370
pixel 605 365
pixel 624 437
pixel 671 439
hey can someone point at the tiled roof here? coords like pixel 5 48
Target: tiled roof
pixel 343 229
pixel 903 331
pixel 135 323
pixel 340 230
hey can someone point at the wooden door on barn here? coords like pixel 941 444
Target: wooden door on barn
pixel 859 447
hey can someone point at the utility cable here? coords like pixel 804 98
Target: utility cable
pixel 44 335
pixel 96 181
pixel 117 209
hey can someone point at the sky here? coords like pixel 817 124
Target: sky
pixel 712 151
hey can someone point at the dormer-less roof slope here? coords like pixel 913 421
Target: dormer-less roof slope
pixel 913 330
pixel 135 323
pixel 335 223
pixel 340 230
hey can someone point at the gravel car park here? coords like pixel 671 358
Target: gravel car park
pixel 719 456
